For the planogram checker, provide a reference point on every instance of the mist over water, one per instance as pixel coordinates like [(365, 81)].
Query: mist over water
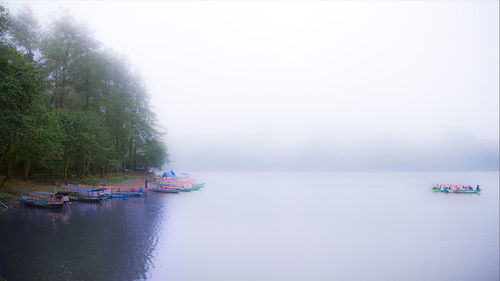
[(332, 226), (321, 128), (267, 226), (316, 86)]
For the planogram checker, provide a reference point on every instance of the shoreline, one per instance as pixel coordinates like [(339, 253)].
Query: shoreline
[(12, 190)]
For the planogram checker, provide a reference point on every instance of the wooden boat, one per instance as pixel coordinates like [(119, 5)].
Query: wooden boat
[(198, 186), (120, 192), (91, 199), (456, 191), (134, 194), (117, 195), (42, 199), (456, 188), (175, 181), (85, 193), (166, 190)]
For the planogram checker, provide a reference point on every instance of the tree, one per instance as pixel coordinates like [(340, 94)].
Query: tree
[(61, 47), (20, 90), (4, 21), (41, 139), (155, 154), (26, 32), (75, 101)]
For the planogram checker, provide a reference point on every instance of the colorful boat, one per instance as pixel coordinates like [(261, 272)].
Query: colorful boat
[(198, 186), (158, 188), (456, 188), (42, 199), (85, 193), (177, 179), (121, 192)]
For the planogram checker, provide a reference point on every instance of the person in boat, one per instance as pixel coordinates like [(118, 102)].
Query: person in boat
[(477, 188)]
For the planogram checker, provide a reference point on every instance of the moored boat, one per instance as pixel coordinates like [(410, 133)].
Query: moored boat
[(176, 179), (42, 199), (198, 186), (85, 193), (121, 192), (165, 189)]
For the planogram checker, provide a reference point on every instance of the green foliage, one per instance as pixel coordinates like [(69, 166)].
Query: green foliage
[(41, 138), (79, 104), (4, 21), (155, 153), (20, 88), (25, 32)]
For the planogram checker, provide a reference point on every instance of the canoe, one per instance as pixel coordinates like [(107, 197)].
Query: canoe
[(118, 195), (85, 193), (29, 201), (456, 191), (83, 198), (166, 190), (198, 186), (133, 194)]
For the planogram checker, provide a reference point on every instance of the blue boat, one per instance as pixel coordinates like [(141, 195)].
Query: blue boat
[(85, 193)]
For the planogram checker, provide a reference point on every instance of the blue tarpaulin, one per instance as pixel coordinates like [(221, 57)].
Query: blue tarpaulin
[(174, 173)]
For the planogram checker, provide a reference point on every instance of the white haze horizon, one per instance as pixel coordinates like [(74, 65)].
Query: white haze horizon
[(311, 86)]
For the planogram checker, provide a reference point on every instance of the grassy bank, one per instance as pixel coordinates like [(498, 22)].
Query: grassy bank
[(10, 192)]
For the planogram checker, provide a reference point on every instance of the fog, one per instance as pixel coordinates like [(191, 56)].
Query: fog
[(312, 85)]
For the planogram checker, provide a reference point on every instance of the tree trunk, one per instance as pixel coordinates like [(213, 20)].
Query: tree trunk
[(5, 153), (130, 155), (27, 166), (9, 168), (7, 164), (102, 172), (79, 169), (87, 94), (66, 166), (61, 92), (86, 171)]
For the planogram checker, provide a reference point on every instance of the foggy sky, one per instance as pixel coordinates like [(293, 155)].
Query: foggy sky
[(312, 86)]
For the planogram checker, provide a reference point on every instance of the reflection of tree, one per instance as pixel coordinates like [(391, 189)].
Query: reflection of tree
[(113, 240)]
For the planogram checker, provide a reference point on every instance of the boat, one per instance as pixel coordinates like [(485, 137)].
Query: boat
[(176, 179), (456, 188), (43, 199), (159, 188), (198, 186), (118, 195), (135, 194), (121, 192), (85, 193)]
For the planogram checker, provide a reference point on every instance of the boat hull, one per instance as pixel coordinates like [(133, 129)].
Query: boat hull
[(457, 191), (36, 203), (134, 194), (90, 199), (164, 190)]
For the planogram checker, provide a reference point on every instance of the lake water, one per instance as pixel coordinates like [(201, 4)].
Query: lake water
[(267, 226)]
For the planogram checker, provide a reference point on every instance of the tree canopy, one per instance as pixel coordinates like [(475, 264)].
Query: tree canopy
[(68, 104)]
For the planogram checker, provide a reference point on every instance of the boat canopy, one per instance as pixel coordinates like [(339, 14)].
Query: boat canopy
[(175, 173), (41, 193), (168, 174), (77, 188)]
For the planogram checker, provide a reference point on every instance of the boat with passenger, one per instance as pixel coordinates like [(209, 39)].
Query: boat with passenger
[(456, 188), (45, 200)]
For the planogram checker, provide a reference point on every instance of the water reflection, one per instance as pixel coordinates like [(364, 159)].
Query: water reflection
[(113, 240)]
